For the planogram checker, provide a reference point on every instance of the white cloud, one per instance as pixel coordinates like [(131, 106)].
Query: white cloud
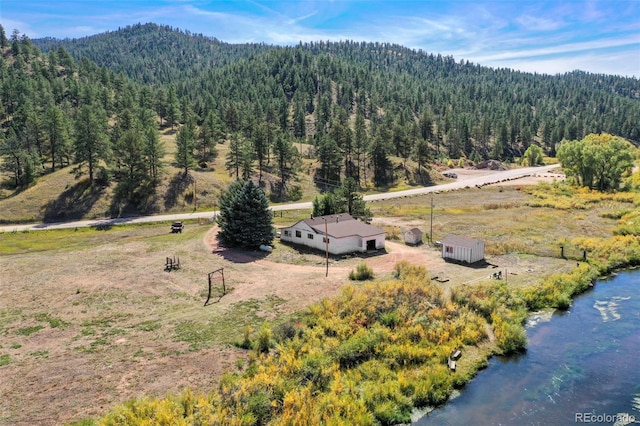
[(568, 48), (534, 23)]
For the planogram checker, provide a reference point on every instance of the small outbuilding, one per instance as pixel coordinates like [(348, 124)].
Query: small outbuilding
[(413, 237), (338, 234), (462, 249)]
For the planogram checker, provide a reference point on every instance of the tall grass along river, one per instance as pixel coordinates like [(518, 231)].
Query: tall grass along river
[(581, 366)]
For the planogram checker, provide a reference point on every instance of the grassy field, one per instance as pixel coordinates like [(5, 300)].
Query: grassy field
[(90, 318)]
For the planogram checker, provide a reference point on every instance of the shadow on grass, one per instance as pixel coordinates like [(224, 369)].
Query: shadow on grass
[(481, 264), (238, 255), (134, 198), (178, 185), (73, 203)]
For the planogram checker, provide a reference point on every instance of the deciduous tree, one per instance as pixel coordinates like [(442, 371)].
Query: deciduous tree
[(597, 161)]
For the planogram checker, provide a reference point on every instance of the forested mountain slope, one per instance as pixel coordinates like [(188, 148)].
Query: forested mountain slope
[(374, 112), (465, 106), (153, 54)]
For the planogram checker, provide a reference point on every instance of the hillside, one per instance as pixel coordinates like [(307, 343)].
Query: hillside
[(139, 114), (153, 54)]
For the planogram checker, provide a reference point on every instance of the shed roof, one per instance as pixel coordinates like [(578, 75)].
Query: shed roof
[(342, 225), (415, 231), (458, 241)]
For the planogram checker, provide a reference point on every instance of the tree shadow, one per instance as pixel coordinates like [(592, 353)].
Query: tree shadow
[(420, 177), (134, 199), (177, 186), (239, 255), (74, 203)]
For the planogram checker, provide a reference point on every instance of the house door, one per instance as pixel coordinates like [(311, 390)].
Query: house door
[(371, 245)]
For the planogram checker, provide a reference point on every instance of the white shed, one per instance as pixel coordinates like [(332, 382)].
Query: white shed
[(345, 234), (462, 249), (413, 236)]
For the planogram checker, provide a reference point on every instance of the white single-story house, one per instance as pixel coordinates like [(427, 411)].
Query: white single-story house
[(346, 234), (462, 249), (413, 236)]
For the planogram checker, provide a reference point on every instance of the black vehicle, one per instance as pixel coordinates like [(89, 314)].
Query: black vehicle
[(177, 227)]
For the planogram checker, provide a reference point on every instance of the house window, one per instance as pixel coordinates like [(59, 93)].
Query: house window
[(287, 233), (310, 236), (325, 240), (448, 249), (298, 234)]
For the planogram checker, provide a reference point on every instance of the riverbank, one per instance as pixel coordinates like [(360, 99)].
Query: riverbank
[(577, 366)]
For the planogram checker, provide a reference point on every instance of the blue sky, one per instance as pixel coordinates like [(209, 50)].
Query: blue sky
[(600, 36)]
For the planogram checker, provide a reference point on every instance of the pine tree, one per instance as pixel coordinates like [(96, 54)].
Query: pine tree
[(185, 144), (91, 142), (153, 152), (245, 218), (57, 136)]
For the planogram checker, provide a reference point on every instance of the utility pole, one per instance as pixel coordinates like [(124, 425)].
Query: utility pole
[(431, 230), (326, 246)]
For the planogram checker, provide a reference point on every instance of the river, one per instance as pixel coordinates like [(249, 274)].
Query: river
[(581, 366)]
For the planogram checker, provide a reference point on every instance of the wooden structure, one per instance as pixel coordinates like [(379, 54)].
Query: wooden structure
[(224, 288), (462, 249), (172, 263)]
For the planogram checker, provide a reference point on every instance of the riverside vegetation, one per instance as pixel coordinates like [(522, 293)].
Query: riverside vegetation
[(377, 352)]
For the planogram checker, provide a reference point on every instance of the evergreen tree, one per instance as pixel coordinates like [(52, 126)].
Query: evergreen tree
[(91, 142), (288, 160), (360, 146), (57, 136), (153, 153), (172, 108), (380, 161), (245, 218), (4, 42), (185, 144), (421, 155), (344, 199), (130, 157), (238, 156), (328, 154), (209, 136)]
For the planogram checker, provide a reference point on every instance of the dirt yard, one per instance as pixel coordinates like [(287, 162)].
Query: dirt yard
[(86, 328)]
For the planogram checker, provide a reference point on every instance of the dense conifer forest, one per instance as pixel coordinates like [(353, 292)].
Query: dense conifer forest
[(364, 109)]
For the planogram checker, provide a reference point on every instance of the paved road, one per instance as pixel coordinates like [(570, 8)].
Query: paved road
[(459, 184)]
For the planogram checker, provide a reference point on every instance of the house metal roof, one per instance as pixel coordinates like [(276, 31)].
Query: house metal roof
[(342, 225), (458, 241)]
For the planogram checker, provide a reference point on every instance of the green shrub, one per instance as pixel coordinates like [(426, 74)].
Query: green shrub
[(4, 359), (404, 270), (510, 335), (363, 272), (264, 340), (359, 347)]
